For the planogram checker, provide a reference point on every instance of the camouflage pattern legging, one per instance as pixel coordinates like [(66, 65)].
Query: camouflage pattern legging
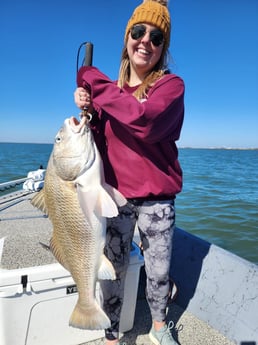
[(156, 223)]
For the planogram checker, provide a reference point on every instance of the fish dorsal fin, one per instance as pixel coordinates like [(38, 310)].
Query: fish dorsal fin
[(38, 201)]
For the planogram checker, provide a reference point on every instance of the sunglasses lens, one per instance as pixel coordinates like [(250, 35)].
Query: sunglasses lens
[(138, 31), (156, 37)]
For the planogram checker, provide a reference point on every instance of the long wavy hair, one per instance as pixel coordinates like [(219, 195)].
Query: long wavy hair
[(156, 73)]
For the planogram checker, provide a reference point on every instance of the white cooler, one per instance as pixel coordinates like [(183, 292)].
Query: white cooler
[(36, 304)]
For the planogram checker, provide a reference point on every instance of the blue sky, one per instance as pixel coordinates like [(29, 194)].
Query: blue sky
[(214, 46)]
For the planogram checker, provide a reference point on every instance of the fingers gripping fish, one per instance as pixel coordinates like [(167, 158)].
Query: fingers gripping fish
[(77, 201)]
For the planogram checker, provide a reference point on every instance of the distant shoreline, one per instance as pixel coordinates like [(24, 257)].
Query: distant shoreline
[(219, 148), (24, 143), (179, 147)]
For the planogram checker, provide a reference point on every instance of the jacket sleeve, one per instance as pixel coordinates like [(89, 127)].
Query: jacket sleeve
[(157, 118)]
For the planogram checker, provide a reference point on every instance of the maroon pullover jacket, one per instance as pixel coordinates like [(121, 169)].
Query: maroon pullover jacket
[(136, 139)]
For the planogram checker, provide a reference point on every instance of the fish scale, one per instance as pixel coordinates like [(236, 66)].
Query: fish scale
[(77, 201)]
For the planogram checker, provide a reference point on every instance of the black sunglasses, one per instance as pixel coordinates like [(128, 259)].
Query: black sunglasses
[(156, 36)]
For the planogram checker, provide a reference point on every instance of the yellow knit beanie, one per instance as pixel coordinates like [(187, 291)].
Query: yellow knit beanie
[(153, 12)]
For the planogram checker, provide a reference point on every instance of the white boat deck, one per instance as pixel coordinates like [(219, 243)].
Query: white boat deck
[(188, 329), (23, 227)]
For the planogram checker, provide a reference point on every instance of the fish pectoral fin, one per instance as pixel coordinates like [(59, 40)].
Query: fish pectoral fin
[(38, 201), (96, 200), (87, 200), (106, 269), (118, 197), (106, 206)]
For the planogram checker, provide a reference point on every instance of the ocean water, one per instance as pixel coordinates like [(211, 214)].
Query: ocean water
[(219, 198), (16, 160), (219, 201)]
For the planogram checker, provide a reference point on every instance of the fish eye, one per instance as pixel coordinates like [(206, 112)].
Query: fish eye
[(57, 139)]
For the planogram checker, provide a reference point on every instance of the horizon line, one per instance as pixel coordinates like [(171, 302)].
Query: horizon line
[(179, 147)]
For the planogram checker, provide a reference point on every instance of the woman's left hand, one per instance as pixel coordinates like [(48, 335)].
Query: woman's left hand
[(82, 98)]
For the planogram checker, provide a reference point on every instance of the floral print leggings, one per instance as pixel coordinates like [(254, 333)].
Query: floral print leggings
[(156, 223)]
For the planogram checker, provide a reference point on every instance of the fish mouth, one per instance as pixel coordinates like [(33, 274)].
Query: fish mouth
[(76, 125)]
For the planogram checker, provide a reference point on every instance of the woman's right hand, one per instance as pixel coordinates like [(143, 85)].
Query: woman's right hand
[(82, 98)]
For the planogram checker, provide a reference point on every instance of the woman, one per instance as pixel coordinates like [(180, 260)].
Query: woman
[(136, 123)]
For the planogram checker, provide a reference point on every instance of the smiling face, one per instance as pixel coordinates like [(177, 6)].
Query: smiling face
[(143, 54)]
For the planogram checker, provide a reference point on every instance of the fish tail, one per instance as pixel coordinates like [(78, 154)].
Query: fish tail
[(91, 318)]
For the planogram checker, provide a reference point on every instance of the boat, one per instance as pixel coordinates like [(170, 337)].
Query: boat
[(215, 292)]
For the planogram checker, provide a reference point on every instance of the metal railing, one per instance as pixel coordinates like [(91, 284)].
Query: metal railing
[(11, 184)]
